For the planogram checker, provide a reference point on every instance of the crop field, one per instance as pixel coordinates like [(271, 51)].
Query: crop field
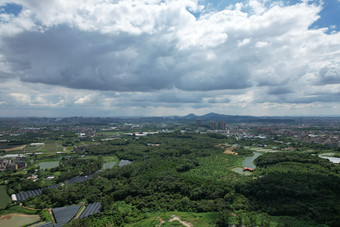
[(17, 220), (53, 147), (48, 165), (4, 198), (263, 150)]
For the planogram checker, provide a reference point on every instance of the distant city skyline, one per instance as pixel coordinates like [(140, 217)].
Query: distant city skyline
[(164, 58)]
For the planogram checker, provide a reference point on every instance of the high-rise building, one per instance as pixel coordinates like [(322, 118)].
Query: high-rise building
[(221, 125), (198, 122), (212, 125)]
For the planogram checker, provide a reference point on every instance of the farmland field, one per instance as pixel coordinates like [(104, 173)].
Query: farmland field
[(17, 220), (15, 148), (263, 150), (48, 165), (4, 198)]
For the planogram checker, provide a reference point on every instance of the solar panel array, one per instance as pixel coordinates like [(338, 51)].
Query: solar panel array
[(124, 162), (25, 195), (62, 215), (93, 208)]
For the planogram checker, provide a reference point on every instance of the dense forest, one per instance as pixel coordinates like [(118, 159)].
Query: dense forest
[(190, 173)]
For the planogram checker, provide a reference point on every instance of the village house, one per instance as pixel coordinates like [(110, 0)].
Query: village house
[(13, 162)]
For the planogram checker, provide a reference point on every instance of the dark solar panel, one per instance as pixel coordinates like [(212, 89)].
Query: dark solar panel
[(25, 195), (35, 192), (28, 194), (90, 209), (63, 215), (18, 196)]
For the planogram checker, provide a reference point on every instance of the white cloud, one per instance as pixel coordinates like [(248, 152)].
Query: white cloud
[(150, 53)]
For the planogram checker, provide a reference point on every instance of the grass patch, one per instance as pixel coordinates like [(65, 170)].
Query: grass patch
[(197, 219), (48, 165), (18, 209), (4, 198), (217, 166)]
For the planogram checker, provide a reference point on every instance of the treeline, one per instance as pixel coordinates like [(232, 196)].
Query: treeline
[(284, 184), (68, 168), (295, 184), (155, 181)]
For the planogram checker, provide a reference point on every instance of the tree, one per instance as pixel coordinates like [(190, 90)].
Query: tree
[(223, 219)]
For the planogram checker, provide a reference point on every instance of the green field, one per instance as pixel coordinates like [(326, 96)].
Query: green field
[(109, 165), (217, 166), (17, 220), (196, 219), (210, 219), (4, 198), (48, 165)]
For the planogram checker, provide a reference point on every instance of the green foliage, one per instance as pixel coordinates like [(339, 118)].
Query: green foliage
[(5, 200), (189, 176), (242, 151), (117, 214), (223, 219), (45, 216), (18, 209), (298, 185)]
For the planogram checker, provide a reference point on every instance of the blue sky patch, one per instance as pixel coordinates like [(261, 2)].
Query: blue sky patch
[(329, 15), (11, 9)]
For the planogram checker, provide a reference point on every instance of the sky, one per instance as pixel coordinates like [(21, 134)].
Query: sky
[(107, 58)]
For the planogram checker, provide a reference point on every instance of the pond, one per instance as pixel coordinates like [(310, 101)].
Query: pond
[(48, 165), (247, 162), (109, 165), (330, 158), (17, 220)]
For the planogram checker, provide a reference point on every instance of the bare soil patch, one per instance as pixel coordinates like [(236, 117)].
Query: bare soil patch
[(15, 148), (185, 223), (228, 149), (7, 216)]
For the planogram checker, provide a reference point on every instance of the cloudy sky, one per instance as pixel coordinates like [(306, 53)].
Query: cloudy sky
[(169, 57)]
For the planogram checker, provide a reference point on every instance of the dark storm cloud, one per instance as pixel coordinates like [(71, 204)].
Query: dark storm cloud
[(279, 90), (68, 57)]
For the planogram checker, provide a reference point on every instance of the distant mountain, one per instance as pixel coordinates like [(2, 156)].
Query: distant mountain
[(236, 118), (189, 117)]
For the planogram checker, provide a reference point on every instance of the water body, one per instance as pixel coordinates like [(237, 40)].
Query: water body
[(331, 159), (48, 165), (247, 162)]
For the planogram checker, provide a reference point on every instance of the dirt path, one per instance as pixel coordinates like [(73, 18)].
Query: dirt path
[(185, 223), (161, 221)]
